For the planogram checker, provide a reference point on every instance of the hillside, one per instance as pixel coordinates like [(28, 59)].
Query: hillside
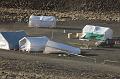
[(85, 5), (63, 10)]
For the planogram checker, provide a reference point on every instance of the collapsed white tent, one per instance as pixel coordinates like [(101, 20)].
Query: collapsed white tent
[(98, 30), (42, 21), (33, 43), (54, 47)]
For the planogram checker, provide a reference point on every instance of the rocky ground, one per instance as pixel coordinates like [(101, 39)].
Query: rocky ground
[(98, 63), (13, 15), (20, 10), (37, 67)]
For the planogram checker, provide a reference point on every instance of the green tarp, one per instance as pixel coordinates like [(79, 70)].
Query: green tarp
[(92, 36)]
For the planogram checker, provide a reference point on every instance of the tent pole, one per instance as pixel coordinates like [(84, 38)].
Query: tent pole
[(52, 34)]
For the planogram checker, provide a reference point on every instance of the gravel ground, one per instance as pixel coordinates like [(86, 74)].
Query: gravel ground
[(98, 63), (21, 66)]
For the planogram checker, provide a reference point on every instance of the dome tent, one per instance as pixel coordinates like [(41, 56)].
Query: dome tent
[(42, 21), (96, 32), (33, 43)]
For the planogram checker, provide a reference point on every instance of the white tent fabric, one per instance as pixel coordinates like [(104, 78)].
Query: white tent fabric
[(33, 43), (42, 21), (54, 47), (107, 32)]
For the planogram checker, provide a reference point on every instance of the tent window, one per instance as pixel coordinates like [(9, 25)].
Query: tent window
[(23, 42), (96, 28)]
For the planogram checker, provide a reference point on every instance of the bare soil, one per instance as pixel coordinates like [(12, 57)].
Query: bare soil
[(98, 63)]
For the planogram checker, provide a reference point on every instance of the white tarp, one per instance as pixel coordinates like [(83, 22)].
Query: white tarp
[(107, 32), (42, 21), (54, 47), (33, 43)]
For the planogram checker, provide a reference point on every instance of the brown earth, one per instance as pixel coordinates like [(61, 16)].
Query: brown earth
[(13, 15), (64, 10), (63, 5), (14, 65), (98, 63)]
